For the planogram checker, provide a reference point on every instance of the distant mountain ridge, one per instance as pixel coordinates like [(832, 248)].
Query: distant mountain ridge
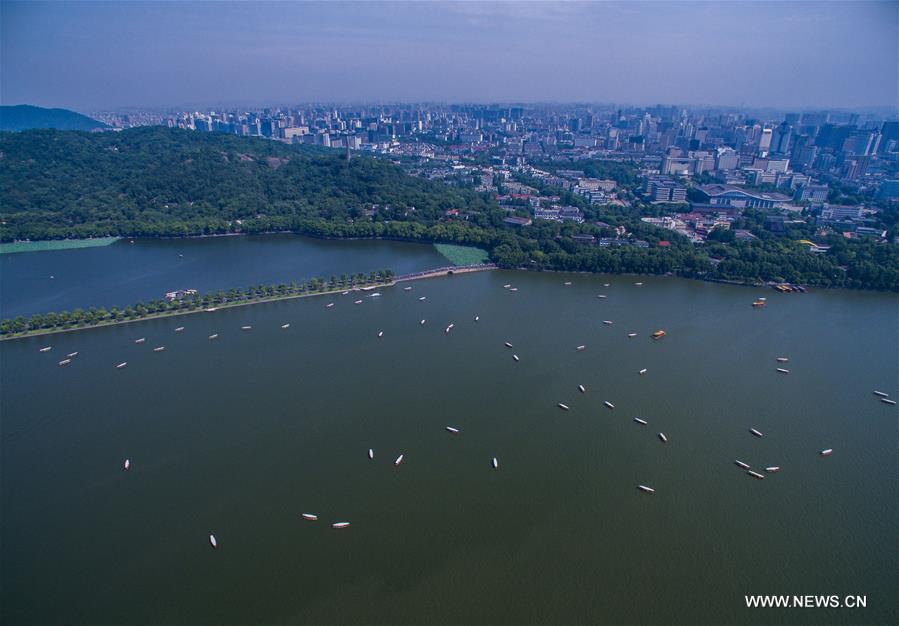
[(25, 117)]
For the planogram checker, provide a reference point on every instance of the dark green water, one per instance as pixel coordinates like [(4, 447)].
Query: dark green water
[(123, 273), (239, 436)]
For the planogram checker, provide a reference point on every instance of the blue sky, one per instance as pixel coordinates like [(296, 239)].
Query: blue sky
[(93, 56)]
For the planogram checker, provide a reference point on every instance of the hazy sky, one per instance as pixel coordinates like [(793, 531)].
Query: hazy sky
[(92, 56)]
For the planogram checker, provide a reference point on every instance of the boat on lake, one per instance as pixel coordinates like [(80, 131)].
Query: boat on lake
[(141, 340), (452, 430), (887, 401), (876, 393), (127, 464), (495, 463), (310, 516), (567, 284), (756, 475), (214, 336), (757, 304), (742, 464), (608, 322), (639, 421), (179, 329), (399, 459), (782, 359), (582, 389), (772, 469), (381, 334), (65, 361), (477, 318), (72, 355), (449, 328), (827, 452), (407, 288), (508, 345), (422, 299), (564, 407), (755, 432), (643, 371), (608, 404), (285, 326), (339, 525), (371, 454), (506, 286), (422, 322), (213, 541), (121, 365), (329, 305), (602, 296), (783, 371), (639, 284), (663, 437), (658, 334), (646, 489), (159, 349), (358, 302), (515, 356), (246, 328), (579, 348), (374, 295), (632, 334)]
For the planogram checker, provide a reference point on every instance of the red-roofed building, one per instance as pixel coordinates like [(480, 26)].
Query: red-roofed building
[(664, 244)]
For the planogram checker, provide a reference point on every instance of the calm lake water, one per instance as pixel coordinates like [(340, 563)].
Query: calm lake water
[(241, 435), (123, 273)]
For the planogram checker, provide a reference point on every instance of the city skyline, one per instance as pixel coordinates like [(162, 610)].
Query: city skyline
[(804, 55)]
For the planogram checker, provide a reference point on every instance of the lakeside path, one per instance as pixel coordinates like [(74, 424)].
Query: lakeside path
[(433, 273)]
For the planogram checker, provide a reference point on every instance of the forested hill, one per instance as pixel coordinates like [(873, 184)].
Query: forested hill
[(25, 117), (155, 181)]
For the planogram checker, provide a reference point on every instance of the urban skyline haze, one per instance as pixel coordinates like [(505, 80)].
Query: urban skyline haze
[(103, 56)]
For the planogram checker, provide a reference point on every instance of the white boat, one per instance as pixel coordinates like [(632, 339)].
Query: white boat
[(422, 299), (876, 393), (343, 293), (639, 421), (568, 284), (646, 489), (508, 345), (782, 359), (215, 336), (285, 326), (495, 463), (371, 454), (579, 348), (639, 284), (564, 407), (827, 452), (159, 349), (608, 322), (246, 328), (608, 404), (506, 286), (606, 284), (755, 432), (211, 309), (213, 542), (515, 356), (632, 334), (381, 334), (602, 296), (514, 289), (407, 288), (310, 516), (663, 437), (141, 340), (179, 329), (742, 464), (65, 361), (122, 364), (643, 371), (47, 349), (399, 459), (782, 370), (477, 318), (450, 429), (422, 322), (374, 295), (582, 389), (127, 464), (358, 302), (887, 401), (449, 328), (772, 469), (72, 355), (756, 475), (340, 524), (329, 305)]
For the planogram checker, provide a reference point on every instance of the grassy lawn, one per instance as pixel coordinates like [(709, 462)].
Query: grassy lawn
[(462, 255), (59, 244)]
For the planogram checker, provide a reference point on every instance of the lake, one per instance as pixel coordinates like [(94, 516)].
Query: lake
[(123, 273), (239, 436)]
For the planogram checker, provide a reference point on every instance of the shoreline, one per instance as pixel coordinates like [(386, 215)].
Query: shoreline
[(424, 275)]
